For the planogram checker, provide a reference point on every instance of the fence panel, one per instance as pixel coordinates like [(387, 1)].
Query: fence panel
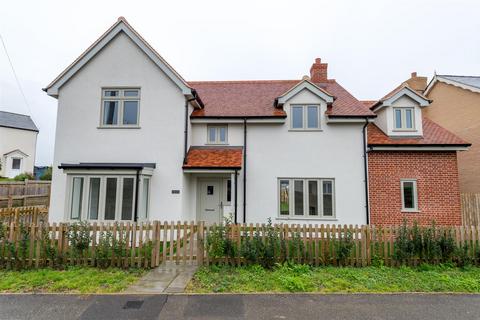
[(470, 204), (24, 193)]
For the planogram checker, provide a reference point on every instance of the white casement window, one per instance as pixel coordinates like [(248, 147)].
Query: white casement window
[(305, 117), (217, 134), (306, 198), (107, 197), (409, 195), (120, 107), (404, 118)]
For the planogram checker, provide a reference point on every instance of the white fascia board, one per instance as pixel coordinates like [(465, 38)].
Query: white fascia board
[(16, 151), (120, 26), (230, 120), (419, 148), (305, 84), (348, 120), (450, 82), (405, 92), (102, 172), (207, 171)]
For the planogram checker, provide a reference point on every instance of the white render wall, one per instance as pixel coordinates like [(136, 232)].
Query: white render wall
[(12, 139), (159, 140)]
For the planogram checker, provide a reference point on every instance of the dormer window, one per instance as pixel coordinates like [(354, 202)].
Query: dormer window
[(404, 119), (305, 117)]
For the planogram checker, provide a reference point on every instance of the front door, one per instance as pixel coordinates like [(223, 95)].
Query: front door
[(210, 201)]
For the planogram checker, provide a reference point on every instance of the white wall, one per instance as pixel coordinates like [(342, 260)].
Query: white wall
[(159, 140), (335, 152), (25, 141), (385, 118)]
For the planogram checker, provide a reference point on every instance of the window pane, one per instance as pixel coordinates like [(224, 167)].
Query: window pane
[(223, 134), (408, 195), (297, 117), (312, 118), (313, 198), (327, 198), (130, 93), (398, 118), (16, 163), (211, 134), (111, 93), (284, 197), (229, 190), (110, 198), (298, 197), (127, 198), (145, 197), (409, 118), (110, 112), (93, 198), (210, 190), (130, 112), (77, 193)]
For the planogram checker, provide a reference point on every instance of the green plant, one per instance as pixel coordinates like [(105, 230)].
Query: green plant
[(79, 237), (103, 251), (344, 247), (24, 176), (47, 175)]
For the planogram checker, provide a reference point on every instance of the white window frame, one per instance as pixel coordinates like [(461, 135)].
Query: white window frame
[(120, 99), (403, 115), (217, 134), (306, 204), (305, 117), (415, 195), (85, 214)]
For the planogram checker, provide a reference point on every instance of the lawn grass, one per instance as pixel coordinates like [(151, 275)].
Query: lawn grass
[(71, 280), (299, 278)]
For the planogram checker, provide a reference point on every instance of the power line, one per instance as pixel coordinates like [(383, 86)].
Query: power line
[(15, 75)]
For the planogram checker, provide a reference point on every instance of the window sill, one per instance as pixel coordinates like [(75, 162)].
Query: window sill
[(411, 211), (404, 130), (307, 218), (216, 144), (119, 127), (305, 130)]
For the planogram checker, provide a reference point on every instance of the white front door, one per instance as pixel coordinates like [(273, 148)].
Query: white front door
[(210, 201)]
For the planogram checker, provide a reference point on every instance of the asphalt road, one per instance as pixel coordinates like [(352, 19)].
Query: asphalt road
[(268, 306)]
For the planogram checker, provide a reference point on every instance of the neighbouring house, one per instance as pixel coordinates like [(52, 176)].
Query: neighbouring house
[(135, 141), (456, 106), (18, 141)]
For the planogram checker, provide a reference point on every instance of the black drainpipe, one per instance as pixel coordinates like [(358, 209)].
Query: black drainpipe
[(244, 170), (365, 168), (185, 146), (136, 196), (236, 197)]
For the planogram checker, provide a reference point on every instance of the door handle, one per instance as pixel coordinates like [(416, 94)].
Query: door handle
[(209, 209)]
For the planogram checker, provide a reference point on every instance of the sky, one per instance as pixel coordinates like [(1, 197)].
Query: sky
[(370, 46)]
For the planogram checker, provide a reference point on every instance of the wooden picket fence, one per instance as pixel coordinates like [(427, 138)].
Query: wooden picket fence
[(470, 203), (25, 215), (24, 193), (148, 244)]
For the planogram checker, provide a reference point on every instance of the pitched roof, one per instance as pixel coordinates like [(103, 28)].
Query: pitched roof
[(214, 158), (254, 98), (399, 88), (17, 121), (473, 81), (433, 135)]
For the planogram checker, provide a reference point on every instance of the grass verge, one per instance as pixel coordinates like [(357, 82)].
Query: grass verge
[(71, 280), (300, 278)]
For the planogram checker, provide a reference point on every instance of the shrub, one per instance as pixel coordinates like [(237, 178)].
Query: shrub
[(79, 237), (24, 176)]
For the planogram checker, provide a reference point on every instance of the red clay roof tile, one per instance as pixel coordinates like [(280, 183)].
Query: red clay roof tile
[(214, 157), (433, 134)]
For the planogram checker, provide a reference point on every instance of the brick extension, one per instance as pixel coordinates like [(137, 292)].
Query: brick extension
[(437, 187)]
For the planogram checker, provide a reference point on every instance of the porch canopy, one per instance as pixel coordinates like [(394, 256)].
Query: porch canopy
[(213, 158)]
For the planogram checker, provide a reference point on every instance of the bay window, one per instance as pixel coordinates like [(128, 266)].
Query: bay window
[(107, 197), (311, 198)]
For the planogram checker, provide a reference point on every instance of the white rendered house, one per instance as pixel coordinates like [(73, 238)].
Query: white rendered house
[(135, 141), (18, 141)]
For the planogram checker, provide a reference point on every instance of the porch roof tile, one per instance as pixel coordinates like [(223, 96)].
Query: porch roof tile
[(214, 157)]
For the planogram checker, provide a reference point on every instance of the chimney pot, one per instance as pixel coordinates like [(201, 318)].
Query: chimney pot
[(414, 74), (318, 60)]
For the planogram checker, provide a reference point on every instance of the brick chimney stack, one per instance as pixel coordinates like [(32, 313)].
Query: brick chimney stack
[(318, 71), (417, 83)]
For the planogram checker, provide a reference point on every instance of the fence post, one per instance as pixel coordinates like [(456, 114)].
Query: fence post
[(200, 244), (25, 191)]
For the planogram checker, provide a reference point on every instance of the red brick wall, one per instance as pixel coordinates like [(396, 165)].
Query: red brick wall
[(437, 187)]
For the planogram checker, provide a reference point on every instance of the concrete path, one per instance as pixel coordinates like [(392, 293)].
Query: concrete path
[(255, 306), (167, 278)]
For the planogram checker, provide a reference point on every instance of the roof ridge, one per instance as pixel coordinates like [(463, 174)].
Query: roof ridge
[(453, 75), (242, 81)]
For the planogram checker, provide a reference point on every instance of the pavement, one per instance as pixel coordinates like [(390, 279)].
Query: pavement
[(169, 277), (233, 306)]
